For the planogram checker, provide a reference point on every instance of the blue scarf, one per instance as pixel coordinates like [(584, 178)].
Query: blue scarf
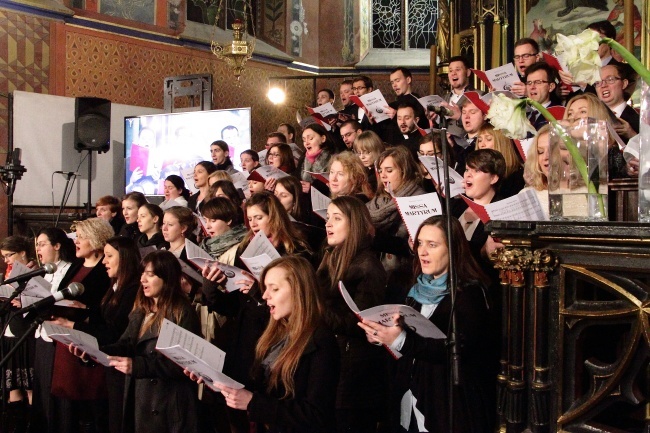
[(429, 290)]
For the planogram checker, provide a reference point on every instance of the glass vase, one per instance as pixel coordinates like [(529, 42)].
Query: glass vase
[(644, 154), (577, 178)]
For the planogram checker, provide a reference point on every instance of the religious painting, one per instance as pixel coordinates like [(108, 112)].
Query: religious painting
[(546, 18), (274, 19)]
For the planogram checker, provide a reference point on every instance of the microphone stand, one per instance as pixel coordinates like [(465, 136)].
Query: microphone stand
[(66, 195), (452, 343)]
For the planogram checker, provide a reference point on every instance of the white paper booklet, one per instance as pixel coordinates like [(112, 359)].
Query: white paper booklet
[(323, 113), (435, 167), (259, 253), (323, 177), (197, 255), (374, 102), (240, 180), (187, 174), (36, 289), (194, 353), (524, 206), (6, 290), (264, 172), (415, 209), (85, 342), (319, 203), (384, 314), (501, 78), (434, 100)]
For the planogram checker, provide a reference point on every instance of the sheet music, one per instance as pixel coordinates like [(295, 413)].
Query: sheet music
[(415, 209), (197, 255), (240, 180), (35, 290), (187, 174), (191, 351), (259, 253), (323, 177), (319, 203), (322, 113), (260, 174), (6, 290), (85, 342), (233, 274), (190, 271), (435, 167), (524, 206), (434, 100), (502, 77), (374, 102), (385, 314)]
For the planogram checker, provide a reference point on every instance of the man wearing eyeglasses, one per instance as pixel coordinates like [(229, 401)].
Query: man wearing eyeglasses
[(526, 54), (611, 90), (361, 86), (540, 87), (349, 131)]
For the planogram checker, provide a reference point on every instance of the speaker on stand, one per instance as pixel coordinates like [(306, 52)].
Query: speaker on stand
[(92, 131)]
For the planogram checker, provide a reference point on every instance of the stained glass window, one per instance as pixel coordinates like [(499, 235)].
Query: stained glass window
[(404, 23)]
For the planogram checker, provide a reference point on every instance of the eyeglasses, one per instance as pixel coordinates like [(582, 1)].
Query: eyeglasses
[(354, 89), (523, 56), (273, 155), (608, 80), (42, 244), (8, 256), (429, 153), (536, 82)]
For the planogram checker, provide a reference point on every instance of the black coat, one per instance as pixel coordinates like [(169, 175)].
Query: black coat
[(424, 367), (157, 241), (158, 397), (311, 410), (363, 382)]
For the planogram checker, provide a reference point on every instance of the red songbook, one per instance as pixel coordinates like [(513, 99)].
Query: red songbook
[(139, 158), (481, 76), (555, 64), (478, 209)]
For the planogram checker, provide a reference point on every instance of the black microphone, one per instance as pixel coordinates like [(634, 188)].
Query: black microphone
[(72, 291), (440, 110), (47, 268), (67, 173)]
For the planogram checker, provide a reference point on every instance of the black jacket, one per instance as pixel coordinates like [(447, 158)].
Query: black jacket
[(311, 410), (424, 366), (363, 382), (158, 397)]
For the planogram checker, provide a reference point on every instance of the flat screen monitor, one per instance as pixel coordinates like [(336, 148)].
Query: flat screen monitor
[(162, 144)]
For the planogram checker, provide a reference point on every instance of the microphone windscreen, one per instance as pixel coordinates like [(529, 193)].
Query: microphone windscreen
[(49, 268), (75, 289)]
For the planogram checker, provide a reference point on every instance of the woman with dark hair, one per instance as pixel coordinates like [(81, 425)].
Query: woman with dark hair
[(288, 190), (122, 261), (250, 160), (245, 306), (221, 156), (296, 359), (52, 246), (281, 156), (318, 151), (202, 171), (176, 194), (130, 205), (420, 391), (348, 257), (484, 173), (150, 220), (159, 398), (225, 229), (225, 188), (18, 374)]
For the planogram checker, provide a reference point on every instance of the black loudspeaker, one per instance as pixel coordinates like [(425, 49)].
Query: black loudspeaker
[(92, 124)]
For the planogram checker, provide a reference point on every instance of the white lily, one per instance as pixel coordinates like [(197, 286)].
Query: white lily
[(580, 53), (509, 116)]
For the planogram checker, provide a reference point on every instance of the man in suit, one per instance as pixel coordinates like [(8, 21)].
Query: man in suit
[(614, 79), (540, 81)]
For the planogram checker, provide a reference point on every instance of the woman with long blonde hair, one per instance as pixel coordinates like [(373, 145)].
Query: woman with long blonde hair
[(490, 138)]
